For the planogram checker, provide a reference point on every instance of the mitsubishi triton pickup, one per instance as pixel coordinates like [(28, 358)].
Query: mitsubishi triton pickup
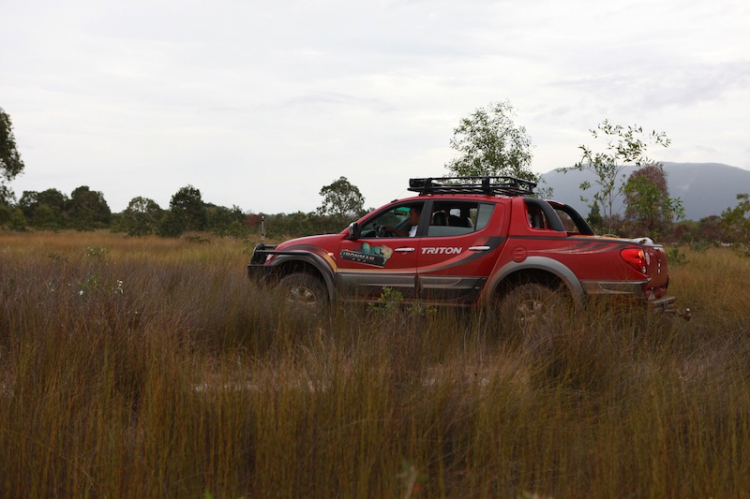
[(470, 242)]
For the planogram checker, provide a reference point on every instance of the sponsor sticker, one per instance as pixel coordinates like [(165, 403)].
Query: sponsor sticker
[(369, 255)]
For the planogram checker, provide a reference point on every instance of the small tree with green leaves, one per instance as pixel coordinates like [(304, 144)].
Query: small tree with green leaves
[(649, 207), (490, 143), (87, 209), (187, 212), (623, 147), (736, 223), (141, 217), (594, 218), (10, 159), (7, 196), (46, 209), (341, 199), (225, 221), (6, 213)]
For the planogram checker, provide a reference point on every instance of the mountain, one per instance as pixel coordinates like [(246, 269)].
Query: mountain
[(704, 188)]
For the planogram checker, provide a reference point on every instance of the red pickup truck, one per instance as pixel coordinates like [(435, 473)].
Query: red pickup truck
[(467, 241)]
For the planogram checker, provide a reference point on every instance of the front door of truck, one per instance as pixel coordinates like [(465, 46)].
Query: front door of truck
[(383, 256)]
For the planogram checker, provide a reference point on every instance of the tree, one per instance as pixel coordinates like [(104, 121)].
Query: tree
[(6, 213), (623, 147), (28, 203), (87, 209), (12, 218), (186, 212), (491, 144), (7, 196), (736, 223), (225, 221), (594, 218), (10, 159), (341, 199), (649, 206), (46, 218), (701, 234), (141, 217), (53, 198), (44, 209)]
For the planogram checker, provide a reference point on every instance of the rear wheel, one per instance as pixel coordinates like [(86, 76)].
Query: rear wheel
[(304, 291), (529, 306)]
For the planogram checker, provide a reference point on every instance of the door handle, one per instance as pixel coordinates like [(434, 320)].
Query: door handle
[(479, 248), (404, 250)]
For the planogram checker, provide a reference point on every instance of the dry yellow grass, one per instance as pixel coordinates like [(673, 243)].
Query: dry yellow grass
[(152, 367)]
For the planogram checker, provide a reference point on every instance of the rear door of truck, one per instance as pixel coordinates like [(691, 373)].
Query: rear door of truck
[(459, 249)]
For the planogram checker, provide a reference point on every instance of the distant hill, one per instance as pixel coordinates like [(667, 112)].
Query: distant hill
[(705, 188)]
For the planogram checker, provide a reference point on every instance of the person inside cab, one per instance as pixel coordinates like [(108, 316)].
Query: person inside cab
[(414, 213)]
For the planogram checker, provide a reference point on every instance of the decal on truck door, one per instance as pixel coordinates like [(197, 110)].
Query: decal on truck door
[(369, 255)]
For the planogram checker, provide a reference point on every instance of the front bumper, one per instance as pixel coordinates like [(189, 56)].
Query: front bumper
[(259, 272)]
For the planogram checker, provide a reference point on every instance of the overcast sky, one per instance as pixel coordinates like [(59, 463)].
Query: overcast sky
[(260, 103)]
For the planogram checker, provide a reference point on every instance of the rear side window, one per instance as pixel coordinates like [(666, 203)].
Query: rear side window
[(456, 218), (567, 222), (573, 222), (541, 216), (536, 217)]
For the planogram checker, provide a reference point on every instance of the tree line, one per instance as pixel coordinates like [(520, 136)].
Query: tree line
[(86, 210), (488, 142)]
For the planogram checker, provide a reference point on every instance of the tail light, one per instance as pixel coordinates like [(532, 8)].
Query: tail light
[(635, 258)]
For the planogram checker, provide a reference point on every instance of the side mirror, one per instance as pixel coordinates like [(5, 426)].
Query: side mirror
[(354, 231)]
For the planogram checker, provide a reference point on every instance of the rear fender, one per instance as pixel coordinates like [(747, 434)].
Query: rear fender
[(531, 265)]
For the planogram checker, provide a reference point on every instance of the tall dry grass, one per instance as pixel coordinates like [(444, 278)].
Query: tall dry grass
[(150, 367)]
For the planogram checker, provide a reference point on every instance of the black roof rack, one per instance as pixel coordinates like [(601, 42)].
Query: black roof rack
[(509, 186)]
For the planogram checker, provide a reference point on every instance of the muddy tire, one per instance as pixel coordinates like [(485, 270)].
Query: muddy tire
[(304, 292), (530, 306)]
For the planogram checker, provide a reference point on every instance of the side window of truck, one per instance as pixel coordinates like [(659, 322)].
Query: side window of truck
[(536, 217), (541, 216), (456, 218), (568, 223)]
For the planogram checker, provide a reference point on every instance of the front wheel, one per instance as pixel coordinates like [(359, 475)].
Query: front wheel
[(304, 291)]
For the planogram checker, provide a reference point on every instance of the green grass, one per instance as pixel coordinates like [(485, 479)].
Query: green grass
[(150, 367)]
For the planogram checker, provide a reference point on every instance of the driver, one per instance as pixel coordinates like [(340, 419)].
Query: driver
[(414, 213)]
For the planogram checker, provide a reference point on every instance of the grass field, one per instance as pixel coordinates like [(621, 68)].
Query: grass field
[(148, 367)]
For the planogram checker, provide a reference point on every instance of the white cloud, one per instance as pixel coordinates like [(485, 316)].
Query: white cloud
[(142, 98)]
